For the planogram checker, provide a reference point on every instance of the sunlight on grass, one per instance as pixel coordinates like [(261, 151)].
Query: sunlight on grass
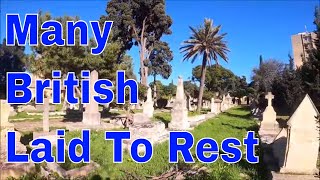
[(234, 123)]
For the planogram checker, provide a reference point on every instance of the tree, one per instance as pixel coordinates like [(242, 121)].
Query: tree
[(141, 23), (260, 60), (160, 58), (169, 90), (205, 41), (264, 75), (218, 78), (291, 63), (12, 59), (45, 59), (241, 88), (288, 90), (190, 88), (310, 70), (76, 58)]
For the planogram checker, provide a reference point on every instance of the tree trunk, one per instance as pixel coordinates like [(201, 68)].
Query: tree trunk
[(203, 77), (142, 70), (154, 88), (154, 91)]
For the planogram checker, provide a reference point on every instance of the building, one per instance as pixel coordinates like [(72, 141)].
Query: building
[(301, 43)]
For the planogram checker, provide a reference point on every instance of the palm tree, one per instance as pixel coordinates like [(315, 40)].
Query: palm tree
[(205, 41)]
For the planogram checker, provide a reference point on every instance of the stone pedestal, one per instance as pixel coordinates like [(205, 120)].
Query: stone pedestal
[(155, 132), (179, 112), (91, 119), (10, 169), (179, 119), (5, 126), (269, 117)]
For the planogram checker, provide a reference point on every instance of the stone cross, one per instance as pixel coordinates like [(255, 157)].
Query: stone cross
[(92, 116), (270, 97), (46, 108)]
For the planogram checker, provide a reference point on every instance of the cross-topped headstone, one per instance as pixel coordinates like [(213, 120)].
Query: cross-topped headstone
[(269, 124), (270, 97)]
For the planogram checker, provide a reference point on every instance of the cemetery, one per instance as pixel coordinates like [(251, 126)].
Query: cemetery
[(142, 96)]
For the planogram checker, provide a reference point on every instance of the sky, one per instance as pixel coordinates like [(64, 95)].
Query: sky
[(253, 28)]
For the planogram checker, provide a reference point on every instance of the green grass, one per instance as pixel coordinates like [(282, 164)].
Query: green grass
[(234, 123), (166, 116), (24, 115)]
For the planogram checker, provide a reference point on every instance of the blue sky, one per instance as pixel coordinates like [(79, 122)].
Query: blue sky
[(254, 27)]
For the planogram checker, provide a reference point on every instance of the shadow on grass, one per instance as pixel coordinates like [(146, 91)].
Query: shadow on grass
[(162, 119), (247, 116), (26, 138), (254, 127), (72, 116)]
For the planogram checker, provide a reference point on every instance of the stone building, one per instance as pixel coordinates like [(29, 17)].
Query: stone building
[(301, 43)]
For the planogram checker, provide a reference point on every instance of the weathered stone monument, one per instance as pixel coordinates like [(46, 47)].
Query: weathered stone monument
[(179, 112), (224, 104), (269, 126), (142, 126), (10, 169), (46, 107), (148, 105), (302, 140), (269, 116), (6, 126), (229, 100), (213, 107), (92, 116)]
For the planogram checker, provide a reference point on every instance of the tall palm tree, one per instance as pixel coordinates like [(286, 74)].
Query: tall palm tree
[(205, 41)]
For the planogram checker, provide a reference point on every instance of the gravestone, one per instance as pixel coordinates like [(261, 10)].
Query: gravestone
[(302, 140), (143, 126), (46, 134), (6, 126), (229, 100), (92, 116), (155, 132), (269, 116), (179, 112), (224, 105), (148, 105), (213, 107), (269, 126), (46, 115)]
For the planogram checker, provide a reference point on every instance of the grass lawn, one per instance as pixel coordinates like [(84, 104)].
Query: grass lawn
[(234, 123)]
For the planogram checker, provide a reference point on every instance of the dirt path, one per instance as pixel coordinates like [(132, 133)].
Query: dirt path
[(27, 126), (278, 176)]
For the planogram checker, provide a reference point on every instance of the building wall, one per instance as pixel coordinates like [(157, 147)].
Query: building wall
[(300, 44)]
